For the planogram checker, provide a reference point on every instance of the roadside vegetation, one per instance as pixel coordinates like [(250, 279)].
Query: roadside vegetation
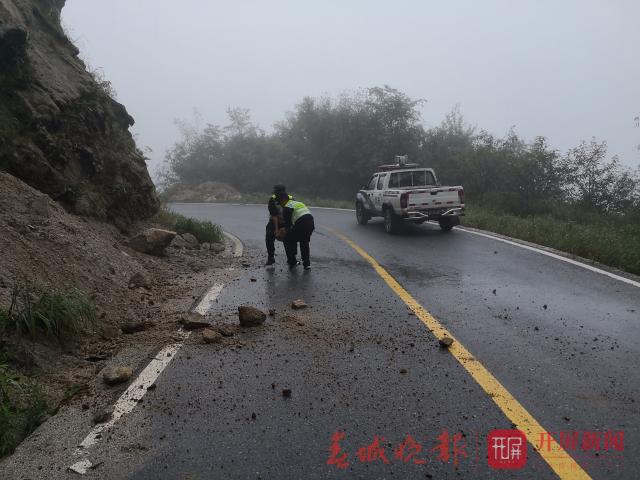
[(582, 201), (23, 406), (203, 230), (59, 314), (604, 239), (52, 314)]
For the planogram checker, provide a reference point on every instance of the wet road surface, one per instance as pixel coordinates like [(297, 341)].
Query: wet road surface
[(363, 369)]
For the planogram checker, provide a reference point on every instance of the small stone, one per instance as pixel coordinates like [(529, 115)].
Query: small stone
[(272, 312), (109, 332), (153, 386), (544, 306), (403, 370), (192, 241), (140, 279), (445, 342), (536, 328), (227, 330), (494, 291), (211, 336), (193, 321), (246, 265), (217, 247), (250, 316), (286, 393), (253, 416), (116, 375), (253, 280), (205, 246), (102, 415), (298, 304), (133, 327)]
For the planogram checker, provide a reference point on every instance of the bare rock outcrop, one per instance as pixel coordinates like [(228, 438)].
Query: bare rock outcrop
[(61, 131)]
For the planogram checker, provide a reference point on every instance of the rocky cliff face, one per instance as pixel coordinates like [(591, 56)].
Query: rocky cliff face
[(60, 131)]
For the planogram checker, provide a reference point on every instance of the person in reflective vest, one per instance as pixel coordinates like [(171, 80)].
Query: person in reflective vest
[(298, 227), (275, 222)]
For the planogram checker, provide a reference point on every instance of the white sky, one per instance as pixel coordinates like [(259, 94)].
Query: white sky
[(565, 69)]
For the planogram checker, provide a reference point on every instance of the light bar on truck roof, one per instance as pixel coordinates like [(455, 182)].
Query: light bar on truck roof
[(387, 168)]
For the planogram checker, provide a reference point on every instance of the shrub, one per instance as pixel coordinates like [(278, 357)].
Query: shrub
[(203, 230), (53, 313)]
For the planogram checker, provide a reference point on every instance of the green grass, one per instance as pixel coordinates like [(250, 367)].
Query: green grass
[(52, 313), (22, 406), (610, 240), (203, 230)]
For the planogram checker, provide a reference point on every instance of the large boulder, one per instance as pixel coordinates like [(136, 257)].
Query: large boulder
[(251, 316), (152, 241)]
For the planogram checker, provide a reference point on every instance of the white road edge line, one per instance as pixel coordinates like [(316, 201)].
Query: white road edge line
[(554, 255), (138, 388), (208, 299), (238, 248)]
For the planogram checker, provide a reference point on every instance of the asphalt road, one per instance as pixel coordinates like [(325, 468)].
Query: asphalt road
[(562, 340)]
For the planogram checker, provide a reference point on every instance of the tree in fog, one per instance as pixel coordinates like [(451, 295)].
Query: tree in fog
[(598, 183)]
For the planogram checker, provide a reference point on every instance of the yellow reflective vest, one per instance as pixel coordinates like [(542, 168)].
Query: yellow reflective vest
[(299, 209)]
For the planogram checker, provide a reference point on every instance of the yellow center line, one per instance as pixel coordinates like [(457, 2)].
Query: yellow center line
[(558, 459)]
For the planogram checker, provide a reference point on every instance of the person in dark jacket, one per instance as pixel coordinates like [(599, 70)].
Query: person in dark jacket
[(298, 227), (275, 222)]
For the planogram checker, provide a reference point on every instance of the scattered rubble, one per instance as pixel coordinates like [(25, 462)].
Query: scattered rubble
[(211, 336), (251, 316), (152, 241), (217, 247), (116, 375)]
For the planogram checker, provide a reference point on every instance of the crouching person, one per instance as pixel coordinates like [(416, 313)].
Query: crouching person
[(298, 227)]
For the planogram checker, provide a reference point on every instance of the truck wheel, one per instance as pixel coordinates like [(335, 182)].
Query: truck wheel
[(447, 223), (361, 214), (390, 221)]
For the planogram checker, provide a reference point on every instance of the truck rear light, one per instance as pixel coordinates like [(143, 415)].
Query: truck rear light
[(461, 195), (404, 198)]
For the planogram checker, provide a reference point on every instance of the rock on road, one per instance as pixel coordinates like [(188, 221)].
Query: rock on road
[(562, 340)]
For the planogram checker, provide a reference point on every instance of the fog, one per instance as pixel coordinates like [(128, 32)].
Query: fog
[(565, 70)]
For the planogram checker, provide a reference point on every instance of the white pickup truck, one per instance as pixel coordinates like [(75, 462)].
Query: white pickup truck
[(406, 192)]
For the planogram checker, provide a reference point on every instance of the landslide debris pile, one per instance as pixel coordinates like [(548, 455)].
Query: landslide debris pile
[(60, 130)]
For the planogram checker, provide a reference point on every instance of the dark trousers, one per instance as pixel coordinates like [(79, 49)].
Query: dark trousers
[(270, 239), (300, 233)]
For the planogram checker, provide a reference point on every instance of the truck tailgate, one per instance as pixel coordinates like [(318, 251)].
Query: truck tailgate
[(438, 197)]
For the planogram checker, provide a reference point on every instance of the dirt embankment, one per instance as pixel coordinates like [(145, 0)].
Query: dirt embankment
[(44, 245)]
